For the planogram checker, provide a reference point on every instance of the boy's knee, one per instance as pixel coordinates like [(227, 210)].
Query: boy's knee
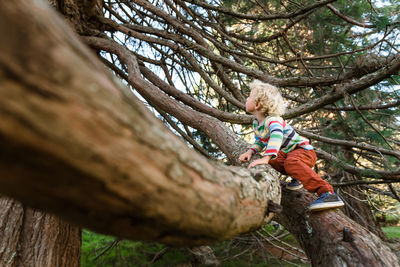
[(292, 164), (292, 161)]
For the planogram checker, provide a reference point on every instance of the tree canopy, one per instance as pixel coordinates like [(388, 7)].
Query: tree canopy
[(336, 64)]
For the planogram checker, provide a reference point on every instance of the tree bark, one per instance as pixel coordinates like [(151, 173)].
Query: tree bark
[(330, 238), (90, 152), (29, 237), (82, 15), (357, 207)]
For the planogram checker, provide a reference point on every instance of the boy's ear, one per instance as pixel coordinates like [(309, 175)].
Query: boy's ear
[(258, 106)]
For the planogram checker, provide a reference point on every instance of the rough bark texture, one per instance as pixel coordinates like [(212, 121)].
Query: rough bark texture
[(81, 14), (95, 155), (29, 237), (357, 207), (330, 238)]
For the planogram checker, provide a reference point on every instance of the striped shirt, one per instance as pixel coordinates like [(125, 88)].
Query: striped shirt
[(275, 134)]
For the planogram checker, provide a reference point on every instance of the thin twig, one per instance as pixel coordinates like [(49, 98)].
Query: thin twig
[(368, 122)]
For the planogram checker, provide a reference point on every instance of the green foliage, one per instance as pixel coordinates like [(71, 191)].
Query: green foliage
[(97, 251), (329, 35), (100, 250), (381, 22), (207, 144), (392, 232)]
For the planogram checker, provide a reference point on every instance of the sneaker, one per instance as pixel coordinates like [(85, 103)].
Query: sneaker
[(327, 200), (294, 185)]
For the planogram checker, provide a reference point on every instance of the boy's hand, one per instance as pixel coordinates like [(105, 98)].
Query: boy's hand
[(263, 160), (246, 156)]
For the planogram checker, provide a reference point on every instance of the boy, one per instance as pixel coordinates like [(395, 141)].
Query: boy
[(286, 151)]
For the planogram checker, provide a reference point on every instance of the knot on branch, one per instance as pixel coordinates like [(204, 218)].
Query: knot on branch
[(259, 172), (347, 235), (258, 176), (273, 207)]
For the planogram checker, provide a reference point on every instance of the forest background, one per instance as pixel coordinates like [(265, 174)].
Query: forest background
[(336, 64)]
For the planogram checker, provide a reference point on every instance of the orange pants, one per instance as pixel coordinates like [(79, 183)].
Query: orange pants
[(298, 163)]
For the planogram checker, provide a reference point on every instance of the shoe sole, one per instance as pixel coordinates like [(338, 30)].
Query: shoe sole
[(293, 188), (326, 206)]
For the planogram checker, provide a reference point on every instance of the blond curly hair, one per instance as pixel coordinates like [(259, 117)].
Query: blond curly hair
[(269, 97)]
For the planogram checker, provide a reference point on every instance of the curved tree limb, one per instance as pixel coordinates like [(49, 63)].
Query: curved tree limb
[(229, 11), (364, 82), (348, 143), (206, 52), (217, 131), (74, 143), (370, 173), (366, 107)]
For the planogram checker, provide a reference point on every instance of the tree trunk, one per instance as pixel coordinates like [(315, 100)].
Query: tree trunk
[(90, 152), (29, 237), (357, 206), (82, 15), (330, 238)]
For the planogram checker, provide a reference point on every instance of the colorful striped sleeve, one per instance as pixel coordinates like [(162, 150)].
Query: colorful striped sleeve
[(257, 146), (275, 132)]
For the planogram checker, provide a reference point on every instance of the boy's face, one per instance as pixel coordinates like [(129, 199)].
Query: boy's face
[(251, 105)]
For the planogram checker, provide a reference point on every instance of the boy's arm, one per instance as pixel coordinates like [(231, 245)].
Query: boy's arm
[(271, 138), (257, 146), (275, 132), (263, 161)]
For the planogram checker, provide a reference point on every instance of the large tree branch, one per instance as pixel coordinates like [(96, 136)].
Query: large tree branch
[(364, 82), (227, 141), (349, 143), (74, 143), (188, 100), (370, 173), (336, 239), (204, 50), (365, 107), (232, 13)]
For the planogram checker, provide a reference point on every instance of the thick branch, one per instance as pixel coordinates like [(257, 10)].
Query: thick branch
[(336, 239), (188, 100), (232, 13), (349, 143), (228, 142), (73, 143), (366, 81), (370, 173)]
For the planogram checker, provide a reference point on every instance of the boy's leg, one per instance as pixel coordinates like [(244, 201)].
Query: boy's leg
[(277, 163), (299, 163)]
